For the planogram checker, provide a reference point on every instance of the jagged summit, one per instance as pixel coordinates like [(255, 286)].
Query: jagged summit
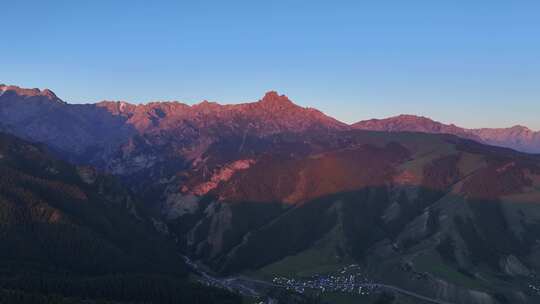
[(206, 103), (410, 116), (270, 99), (273, 98), (521, 128), (24, 92)]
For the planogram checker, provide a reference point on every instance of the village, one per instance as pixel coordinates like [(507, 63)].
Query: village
[(348, 279)]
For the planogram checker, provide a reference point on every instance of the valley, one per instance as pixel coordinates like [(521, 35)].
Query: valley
[(346, 281), (264, 201)]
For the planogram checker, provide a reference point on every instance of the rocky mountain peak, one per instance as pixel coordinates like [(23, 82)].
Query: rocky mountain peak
[(207, 105), (520, 128), (272, 98), (49, 93), (411, 117), (23, 92)]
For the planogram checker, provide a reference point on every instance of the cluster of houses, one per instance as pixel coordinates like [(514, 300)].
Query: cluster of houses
[(535, 289), (534, 283), (349, 279)]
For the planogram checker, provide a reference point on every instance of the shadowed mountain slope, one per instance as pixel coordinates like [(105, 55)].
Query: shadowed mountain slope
[(76, 234), (444, 215)]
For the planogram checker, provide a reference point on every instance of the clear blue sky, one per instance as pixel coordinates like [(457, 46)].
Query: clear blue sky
[(474, 63)]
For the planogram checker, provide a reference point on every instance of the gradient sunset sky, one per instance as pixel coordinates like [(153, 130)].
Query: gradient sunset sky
[(472, 63)]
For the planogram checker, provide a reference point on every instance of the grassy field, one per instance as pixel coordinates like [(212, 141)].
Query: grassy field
[(304, 264), (322, 258)]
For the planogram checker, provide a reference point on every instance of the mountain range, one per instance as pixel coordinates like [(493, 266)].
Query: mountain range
[(270, 189), (107, 122)]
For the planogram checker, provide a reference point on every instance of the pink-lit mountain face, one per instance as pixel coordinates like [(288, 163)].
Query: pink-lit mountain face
[(124, 137), (29, 93), (272, 114), (518, 137), (83, 129)]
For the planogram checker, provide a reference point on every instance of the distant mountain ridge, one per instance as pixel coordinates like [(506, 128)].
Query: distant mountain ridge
[(517, 137), (45, 117)]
